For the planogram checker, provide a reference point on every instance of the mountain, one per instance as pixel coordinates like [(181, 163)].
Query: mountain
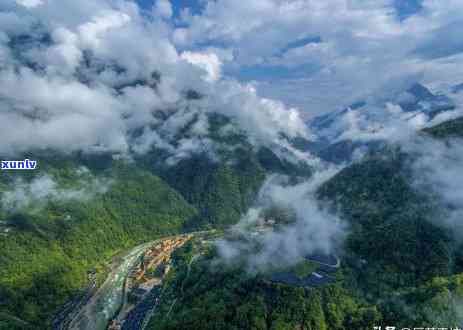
[(223, 178), (399, 250), (202, 294), (415, 101), (399, 265), (49, 245), (341, 132), (172, 192), (447, 129), (394, 255), (78, 211)]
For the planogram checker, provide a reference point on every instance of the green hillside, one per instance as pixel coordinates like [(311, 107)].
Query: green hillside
[(390, 223), (221, 186), (205, 294), (222, 192), (47, 252), (398, 267), (397, 257), (450, 128), (51, 243)]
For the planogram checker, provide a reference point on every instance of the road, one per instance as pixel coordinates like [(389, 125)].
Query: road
[(70, 310), (105, 303)]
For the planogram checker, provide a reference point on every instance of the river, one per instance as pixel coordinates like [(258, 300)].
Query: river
[(103, 306)]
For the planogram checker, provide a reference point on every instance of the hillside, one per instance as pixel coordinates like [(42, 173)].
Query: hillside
[(394, 254), (223, 179), (398, 266), (398, 254), (46, 252), (90, 207), (451, 128), (202, 294), (345, 133), (283, 165)]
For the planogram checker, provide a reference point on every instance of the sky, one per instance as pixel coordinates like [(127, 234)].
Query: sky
[(321, 55), (108, 76), (267, 64), (194, 6), (128, 78)]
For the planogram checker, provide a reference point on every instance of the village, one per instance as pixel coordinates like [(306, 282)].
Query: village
[(145, 277)]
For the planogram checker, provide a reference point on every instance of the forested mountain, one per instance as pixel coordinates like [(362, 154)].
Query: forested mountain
[(48, 249), (399, 266), (373, 121), (394, 255), (188, 171), (77, 211)]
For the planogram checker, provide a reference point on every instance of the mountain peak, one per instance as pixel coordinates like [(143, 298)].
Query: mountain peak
[(420, 92)]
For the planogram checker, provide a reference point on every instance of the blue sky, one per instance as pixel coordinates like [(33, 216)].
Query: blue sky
[(257, 61), (315, 55), (177, 5), (269, 67), (405, 7)]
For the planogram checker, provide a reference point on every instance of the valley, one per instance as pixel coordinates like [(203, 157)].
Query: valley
[(231, 165), (126, 288)]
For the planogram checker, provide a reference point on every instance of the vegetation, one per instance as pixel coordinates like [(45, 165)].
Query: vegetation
[(222, 187), (221, 192), (451, 128), (203, 294), (398, 268), (207, 295), (48, 251), (51, 243), (390, 229), (396, 255), (304, 268)]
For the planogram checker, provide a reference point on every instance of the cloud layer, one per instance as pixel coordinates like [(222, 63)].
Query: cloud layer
[(91, 75), (326, 54), (34, 194), (437, 171), (312, 231)]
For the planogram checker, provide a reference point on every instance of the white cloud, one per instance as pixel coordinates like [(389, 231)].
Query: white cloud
[(92, 32), (92, 72), (363, 45), (38, 191), (30, 3), (91, 48), (209, 62), (388, 123), (66, 53), (315, 231), (436, 167), (163, 8)]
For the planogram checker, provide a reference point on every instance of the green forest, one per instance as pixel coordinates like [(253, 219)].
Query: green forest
[(52, 244), (46, 255), (397, 268)]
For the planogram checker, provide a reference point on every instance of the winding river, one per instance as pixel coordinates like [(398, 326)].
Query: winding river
[(103, 306)]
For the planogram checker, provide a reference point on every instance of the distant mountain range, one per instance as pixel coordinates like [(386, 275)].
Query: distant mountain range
[(371, 121)]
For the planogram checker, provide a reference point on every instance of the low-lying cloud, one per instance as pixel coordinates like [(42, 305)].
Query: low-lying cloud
[(313, 229), (437, 167), (34, 195)]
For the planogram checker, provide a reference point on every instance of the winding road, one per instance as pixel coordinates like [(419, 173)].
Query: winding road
[(105, 303)]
